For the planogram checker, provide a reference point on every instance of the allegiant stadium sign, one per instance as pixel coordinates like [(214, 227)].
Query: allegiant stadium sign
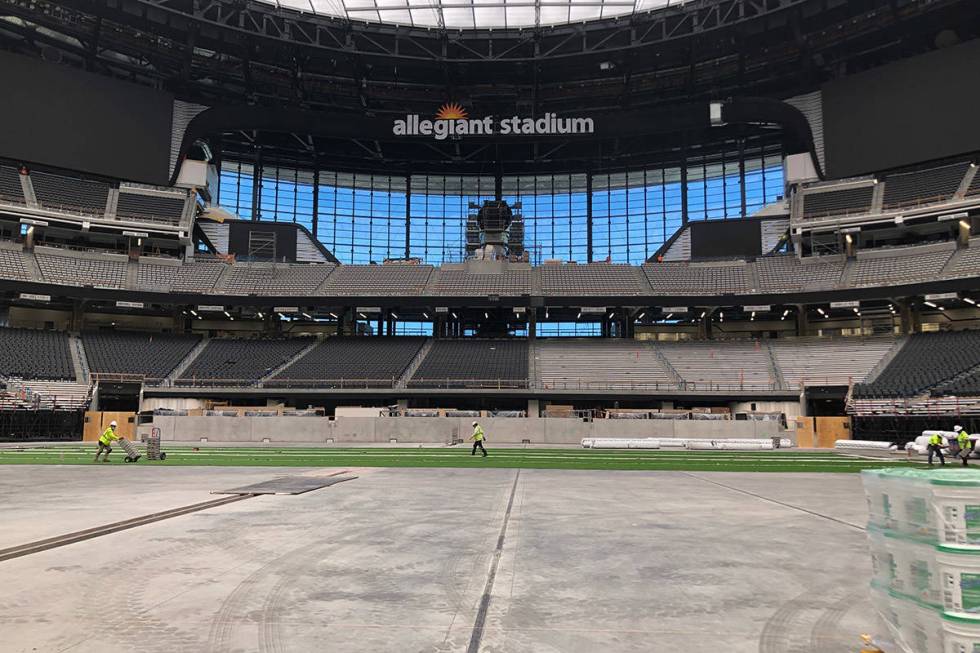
[(453, 121)]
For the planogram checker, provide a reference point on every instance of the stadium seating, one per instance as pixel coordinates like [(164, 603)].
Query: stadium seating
[(370, 280), (786, 273), (926, 361), (10, 188), (592, 279), (162, 275), (275, 279), (966, 262), (974, 187), (81, 269), (821, 361), (459, 283), (239, 362), (906, 265), (721, 365), (12, 264), (152, 355), (923, 186), (697, 279), (473, 364), (70, 193), (346, 362), (154, 208), (599, 364), (837, 202), (31, 354)]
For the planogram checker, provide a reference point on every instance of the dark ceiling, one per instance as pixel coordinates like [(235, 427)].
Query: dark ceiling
[(234, 52)]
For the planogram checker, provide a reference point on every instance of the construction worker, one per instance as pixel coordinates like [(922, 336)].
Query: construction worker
[(936, 447), (478, 439), (105, 442), (964, 442)]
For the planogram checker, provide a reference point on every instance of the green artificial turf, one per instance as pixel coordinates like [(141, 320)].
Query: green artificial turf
[(728, 461)]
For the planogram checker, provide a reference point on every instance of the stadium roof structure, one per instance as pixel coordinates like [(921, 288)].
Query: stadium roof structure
[(475, 14)]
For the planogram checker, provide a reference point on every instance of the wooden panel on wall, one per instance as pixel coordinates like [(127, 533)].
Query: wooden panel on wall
[(831, 429), (804, 432), (98, 421)]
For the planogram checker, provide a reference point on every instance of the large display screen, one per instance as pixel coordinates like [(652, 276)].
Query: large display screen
[(726, 239), (907, 112), (60, 116)]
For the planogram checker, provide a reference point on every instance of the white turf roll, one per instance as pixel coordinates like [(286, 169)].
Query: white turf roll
[(864, 444)]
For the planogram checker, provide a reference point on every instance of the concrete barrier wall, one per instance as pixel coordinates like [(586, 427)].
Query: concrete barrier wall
[(444, 429)]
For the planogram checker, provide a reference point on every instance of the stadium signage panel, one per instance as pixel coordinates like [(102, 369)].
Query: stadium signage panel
[(368, 309), (939, 296), (285, 309), (210, 307), (760, 308), (442, 309), (854, 304), (954, 216), (122, 304), (592, 310), (453, 121), (35, 298), (674, 309)]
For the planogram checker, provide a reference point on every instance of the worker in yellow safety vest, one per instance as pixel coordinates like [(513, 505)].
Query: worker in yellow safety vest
[(936, 447), (105, 442), (965, 443), (478, 439)]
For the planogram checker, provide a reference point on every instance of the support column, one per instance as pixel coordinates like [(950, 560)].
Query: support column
[(802, 321), (910, 316), (533, 409), (705, 329), (77, 315)]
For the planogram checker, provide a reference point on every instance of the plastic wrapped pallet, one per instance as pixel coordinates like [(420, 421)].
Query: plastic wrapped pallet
[(924, 539), (730, 445)]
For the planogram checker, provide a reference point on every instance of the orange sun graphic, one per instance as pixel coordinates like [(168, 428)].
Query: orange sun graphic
[(451, 111)]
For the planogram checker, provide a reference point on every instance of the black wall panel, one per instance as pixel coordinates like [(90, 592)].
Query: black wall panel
[(63, 117), (904, 113)]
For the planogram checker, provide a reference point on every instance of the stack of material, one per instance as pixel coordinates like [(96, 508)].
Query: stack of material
[(924, 532)]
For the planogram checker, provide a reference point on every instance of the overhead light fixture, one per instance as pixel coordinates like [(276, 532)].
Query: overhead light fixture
[(856, 310), (455, 317), (363, 316), (486, 316), (783, 317), (669, 315), (193, 312), (612, 315), (546, 316), (753, 316), (227, 314), (927, 303), (969, 301), (940, 308), (307, 316), (785, 313), (964, 224), (821, 311), (261, 317), (425, 315), (703, 313), (394, 315), (578, 317), (333, 315)]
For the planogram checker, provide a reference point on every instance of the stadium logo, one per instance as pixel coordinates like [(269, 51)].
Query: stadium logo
[(453, 121)]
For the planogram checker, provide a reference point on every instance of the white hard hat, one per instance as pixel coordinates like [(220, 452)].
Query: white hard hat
[(957, 428), (474, 423), (113, 423)]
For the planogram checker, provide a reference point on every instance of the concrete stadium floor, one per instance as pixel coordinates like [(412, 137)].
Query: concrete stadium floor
[(399, 559)]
